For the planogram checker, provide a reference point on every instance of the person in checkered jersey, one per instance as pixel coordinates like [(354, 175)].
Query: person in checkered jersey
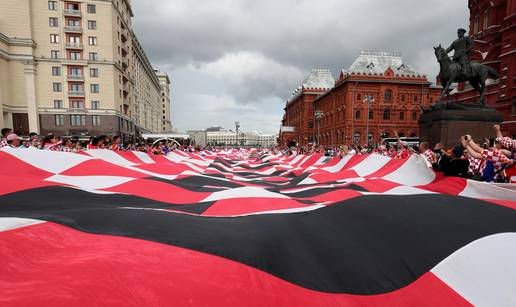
[(507, 142), (5, 133), (494, 153)]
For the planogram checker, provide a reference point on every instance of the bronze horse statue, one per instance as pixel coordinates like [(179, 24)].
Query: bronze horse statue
[(451, 72)]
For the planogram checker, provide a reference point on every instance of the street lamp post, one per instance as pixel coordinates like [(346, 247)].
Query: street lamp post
[(318, 115), (237, 126), (368, 100)]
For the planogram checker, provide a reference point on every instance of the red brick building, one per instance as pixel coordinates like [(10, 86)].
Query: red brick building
[(493, 27), (395, 91), (298, 124)]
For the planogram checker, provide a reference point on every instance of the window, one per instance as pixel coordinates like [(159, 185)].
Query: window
[(77, 104), (52, 5), (53, 22), (92, 40), (91, 8), (54, 54), (357, 114), (163, 117), (56, 71), (475, 26), (74, 23), (402, 115), (371, 115), (95, 105), (403, 98), (77, 87), (94, 72), (388, 95), (95, 120), (72, 6), (75, 71), (310, 124), (95, 88), (359, 97), (78, 120), (356, 137), (57, 87), (163, 111), (59, 119), (94, 56), (54, 38), (58, 104), (92, 24), (386, 114), (414, 115), (485, 24), (415, 98), (75, 55)]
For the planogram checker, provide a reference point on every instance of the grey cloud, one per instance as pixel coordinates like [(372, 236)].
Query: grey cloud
[(297, 34)]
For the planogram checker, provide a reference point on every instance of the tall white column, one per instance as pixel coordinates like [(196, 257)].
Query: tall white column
[(30, 91)]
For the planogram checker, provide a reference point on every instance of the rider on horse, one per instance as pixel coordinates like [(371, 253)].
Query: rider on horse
[(462, 47)]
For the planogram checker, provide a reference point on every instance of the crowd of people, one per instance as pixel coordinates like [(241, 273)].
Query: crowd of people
[(489, 160), (73, 144)]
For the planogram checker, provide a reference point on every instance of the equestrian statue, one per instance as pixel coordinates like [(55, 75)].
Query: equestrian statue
[(460, 69)]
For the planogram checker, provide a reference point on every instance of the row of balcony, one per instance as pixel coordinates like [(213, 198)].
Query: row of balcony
[(72, 29), (74, 45), (73, 13)]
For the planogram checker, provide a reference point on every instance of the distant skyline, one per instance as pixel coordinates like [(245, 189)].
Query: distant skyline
[(240, 60)]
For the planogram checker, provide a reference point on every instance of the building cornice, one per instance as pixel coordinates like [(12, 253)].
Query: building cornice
[(21, 42)]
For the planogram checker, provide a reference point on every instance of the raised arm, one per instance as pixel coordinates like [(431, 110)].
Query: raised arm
[(497, 131), (473, 145)]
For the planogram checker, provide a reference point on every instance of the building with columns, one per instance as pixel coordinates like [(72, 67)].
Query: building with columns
[(492, 25), (75, 67), (377, 95)]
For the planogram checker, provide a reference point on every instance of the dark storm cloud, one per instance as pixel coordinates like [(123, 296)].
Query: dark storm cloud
[(280, 41)]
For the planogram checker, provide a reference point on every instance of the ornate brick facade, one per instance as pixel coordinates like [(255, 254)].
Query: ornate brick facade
[(298, 124), (493, 27), (396, 91)]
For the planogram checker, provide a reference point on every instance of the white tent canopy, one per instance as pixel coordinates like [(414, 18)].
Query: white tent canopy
[(166, 136)]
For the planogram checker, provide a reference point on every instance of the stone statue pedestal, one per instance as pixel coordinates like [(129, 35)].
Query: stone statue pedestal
[(446, 123)]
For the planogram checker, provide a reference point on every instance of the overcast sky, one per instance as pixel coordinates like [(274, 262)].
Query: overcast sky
[(239, 60)]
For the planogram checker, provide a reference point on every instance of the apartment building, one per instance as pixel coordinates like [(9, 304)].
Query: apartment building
[(75, 67), (164, 82)]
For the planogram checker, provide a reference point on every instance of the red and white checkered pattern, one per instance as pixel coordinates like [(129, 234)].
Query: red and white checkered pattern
[(429, 155), (497, 157), (507, 143)]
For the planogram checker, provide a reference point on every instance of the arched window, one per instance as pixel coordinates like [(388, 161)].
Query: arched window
[(413, 135), (402, 98), (370, 137), (356, 137), (415, 98), (371, 115), (388, 95), (402, 115), (386, 114), (357, 114), (359, 97), (414, 116)]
